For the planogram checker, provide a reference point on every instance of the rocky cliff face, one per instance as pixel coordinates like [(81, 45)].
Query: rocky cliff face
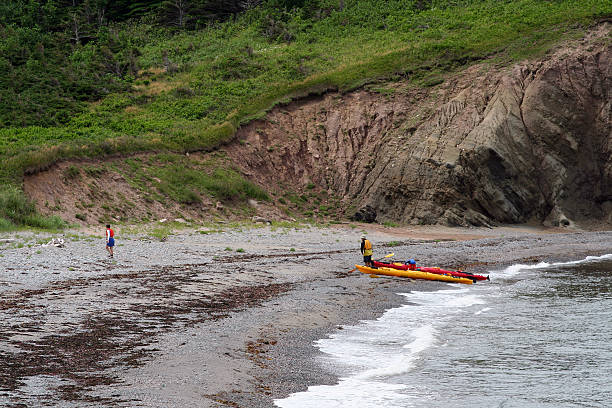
[(489, 145)]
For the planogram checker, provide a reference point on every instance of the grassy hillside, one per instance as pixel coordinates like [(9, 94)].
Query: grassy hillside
[(193, 88)]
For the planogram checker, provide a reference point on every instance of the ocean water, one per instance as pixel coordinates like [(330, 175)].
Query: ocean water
[(535, 336)]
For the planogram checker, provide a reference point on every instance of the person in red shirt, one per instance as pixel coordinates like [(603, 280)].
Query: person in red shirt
[(110, 240)]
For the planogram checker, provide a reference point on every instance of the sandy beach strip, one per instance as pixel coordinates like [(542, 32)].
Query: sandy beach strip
[(210, 318)]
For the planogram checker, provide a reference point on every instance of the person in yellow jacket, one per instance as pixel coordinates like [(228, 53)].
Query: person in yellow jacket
[(366, 250)]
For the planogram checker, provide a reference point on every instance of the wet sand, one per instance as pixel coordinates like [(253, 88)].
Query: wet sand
[(216, 318)]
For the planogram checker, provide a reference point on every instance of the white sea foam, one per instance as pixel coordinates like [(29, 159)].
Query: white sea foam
[(458, 298), (486, 309), (349, 392), (588, 259), (402, 362), (513, 270), (371, 354)]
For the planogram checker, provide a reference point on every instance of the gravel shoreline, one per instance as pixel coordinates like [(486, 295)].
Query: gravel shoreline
[(216, 318)]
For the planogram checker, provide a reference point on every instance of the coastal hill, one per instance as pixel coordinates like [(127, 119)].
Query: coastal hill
[(459, 113)]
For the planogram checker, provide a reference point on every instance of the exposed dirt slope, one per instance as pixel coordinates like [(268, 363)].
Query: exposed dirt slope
[(489, 145), (93, 192)]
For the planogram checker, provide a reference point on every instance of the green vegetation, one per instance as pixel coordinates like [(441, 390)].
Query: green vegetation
[(163, 231), (94, 78), (6, 225), (72, 172), (16, 210), (160, 232), (288, 225), (183, 180)]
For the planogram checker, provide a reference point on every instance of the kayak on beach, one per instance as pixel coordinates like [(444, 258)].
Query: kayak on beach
[(459, 274), (404, 267), (412, 274)]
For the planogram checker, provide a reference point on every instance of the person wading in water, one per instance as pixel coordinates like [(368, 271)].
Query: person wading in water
[(366, 250)]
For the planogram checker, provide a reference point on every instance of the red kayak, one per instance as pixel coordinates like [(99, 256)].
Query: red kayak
[(404, 267)]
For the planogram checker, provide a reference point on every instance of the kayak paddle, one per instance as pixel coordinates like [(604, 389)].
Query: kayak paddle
[(386, 256)]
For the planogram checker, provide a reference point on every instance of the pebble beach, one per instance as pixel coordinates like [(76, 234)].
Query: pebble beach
[(216, 317)]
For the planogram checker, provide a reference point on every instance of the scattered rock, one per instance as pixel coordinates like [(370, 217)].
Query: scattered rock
[(163, 220), (253, 203), (180, 220), (557, 218)]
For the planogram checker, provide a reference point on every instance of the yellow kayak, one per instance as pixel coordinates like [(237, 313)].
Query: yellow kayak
[(412, 274)]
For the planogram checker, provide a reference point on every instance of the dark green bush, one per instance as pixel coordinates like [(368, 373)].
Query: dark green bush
[(227, 184), (50, 223), (6, 225), (14, 206)]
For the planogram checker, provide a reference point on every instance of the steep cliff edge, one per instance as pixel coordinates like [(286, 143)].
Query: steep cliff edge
[(489, 145)]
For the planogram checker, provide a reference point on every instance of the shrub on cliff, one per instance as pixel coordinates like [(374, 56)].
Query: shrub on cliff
[(16, 209)]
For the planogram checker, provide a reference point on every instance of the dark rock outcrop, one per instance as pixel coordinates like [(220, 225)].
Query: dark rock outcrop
[(365, 214)]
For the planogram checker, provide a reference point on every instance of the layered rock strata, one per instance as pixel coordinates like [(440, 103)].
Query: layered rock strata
[(489, 145)]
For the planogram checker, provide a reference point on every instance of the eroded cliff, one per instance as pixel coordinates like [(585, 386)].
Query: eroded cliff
[(489, 145)]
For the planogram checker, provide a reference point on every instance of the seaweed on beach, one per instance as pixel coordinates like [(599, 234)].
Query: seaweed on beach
[(87, 353)]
